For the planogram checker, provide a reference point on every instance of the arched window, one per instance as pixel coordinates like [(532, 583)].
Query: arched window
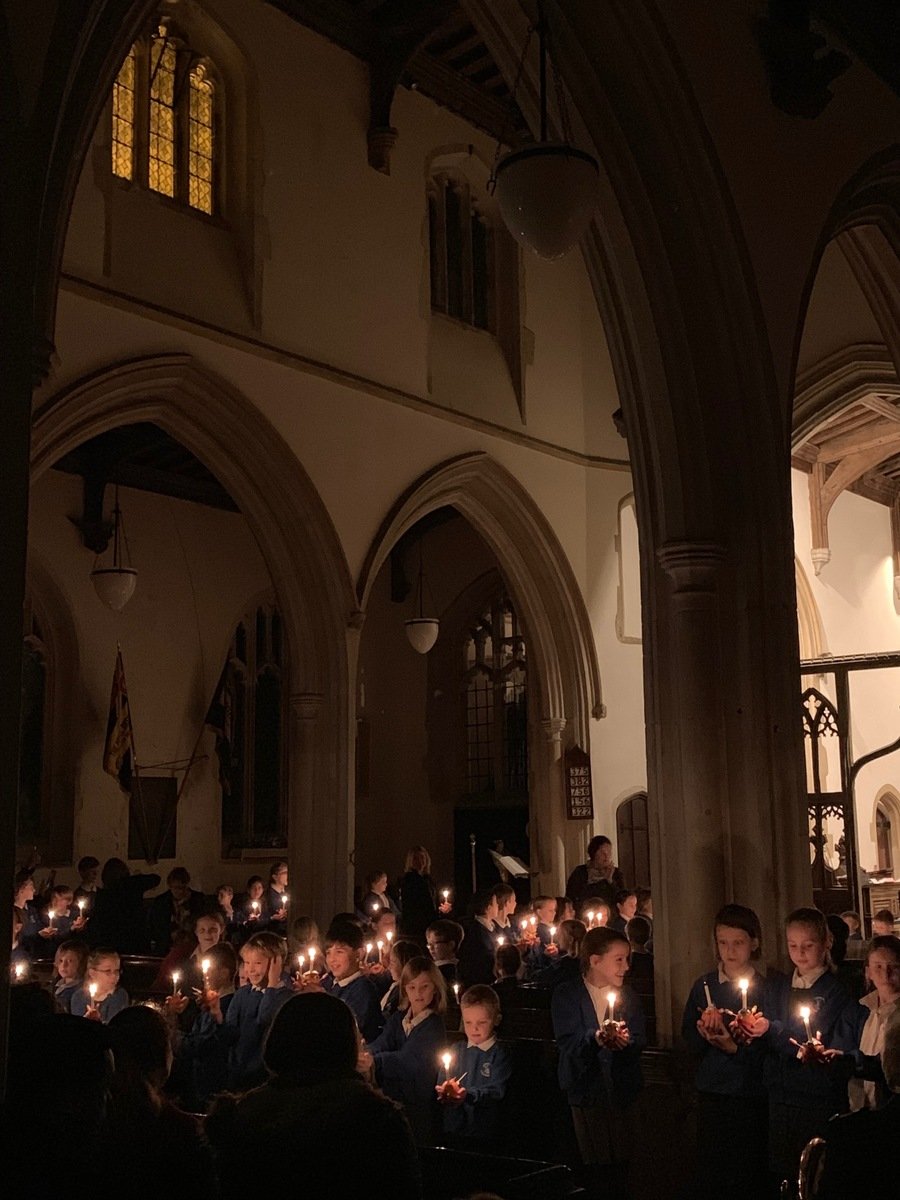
[(496, 705), (884, 846), (165, 105), (252, 769), (461, 257)]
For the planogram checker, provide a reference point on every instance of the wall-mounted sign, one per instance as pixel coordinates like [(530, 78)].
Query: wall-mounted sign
[(579, 797)]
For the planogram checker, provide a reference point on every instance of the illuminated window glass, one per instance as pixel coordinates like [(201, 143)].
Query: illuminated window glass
[(123, 119), (161, 161), (201, 140)]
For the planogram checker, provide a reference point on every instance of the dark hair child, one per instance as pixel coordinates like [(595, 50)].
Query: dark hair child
[(201, 1055), (732, 1111), (399, 955), (346, 980), (599, 1059), (567, 966), (805, 1091)]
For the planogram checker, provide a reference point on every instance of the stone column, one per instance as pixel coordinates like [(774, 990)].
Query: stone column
[(310, 853), (549, 847)]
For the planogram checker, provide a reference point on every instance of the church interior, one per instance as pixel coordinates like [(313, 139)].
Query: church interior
[(345, 515)]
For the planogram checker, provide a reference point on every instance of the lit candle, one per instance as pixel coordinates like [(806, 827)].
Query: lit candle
[(611, 1006), (601, 916), (709, 1003), (523, 924), (532, 922), (456, 992), (446, 1059), (376, 907), (390, 937), (804, 1013), (82, 904), (21, 968), (552, 934), (446, 894), (92, 992), (285, 899), (501, 940), (590, 917), (368, 950), (51, 914), (204, 967), (312, 956), (176, 975), (379, 946), (301, 959), (254, 908), (744, 985)]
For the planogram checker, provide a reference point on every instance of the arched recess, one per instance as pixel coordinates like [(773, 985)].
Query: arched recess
[(46, 607), (304, 558), (813, 642), (564, 674), (888, 801)]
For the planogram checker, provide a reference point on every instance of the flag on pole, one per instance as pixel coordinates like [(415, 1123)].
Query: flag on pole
[(118, 750), (220, 718)]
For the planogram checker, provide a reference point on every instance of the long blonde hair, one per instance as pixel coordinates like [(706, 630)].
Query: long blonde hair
[(411, 854), (423, 966)]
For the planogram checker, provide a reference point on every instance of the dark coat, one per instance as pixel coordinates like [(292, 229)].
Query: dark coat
[(476, 955), (578, 888), (160, 916), (301, 1126), (418, 904), (589, 1073), (118, 919)]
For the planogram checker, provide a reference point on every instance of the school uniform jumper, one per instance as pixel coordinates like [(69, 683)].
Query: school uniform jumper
[(361, 997), (601, 1084), (487, 1069), (249, 1016), (406, 1068), (733, 1108), (114, 1003)]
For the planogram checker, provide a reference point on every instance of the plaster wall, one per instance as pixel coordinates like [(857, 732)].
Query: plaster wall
[(860, 615)]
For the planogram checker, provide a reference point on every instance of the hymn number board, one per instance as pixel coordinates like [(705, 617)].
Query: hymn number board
[(579, 796)]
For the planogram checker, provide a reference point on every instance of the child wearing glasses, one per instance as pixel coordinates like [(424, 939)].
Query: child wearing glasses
[(101, 997)]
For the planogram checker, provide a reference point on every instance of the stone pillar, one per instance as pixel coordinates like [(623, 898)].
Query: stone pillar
[(310, 852), (549, 848)]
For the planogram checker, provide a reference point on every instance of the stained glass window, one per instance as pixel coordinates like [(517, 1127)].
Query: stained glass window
[(496, 695), (123, 119), (161, 162), (201, 140)]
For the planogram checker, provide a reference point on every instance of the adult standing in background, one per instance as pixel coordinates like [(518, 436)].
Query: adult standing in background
[(118, 919), (418, 895), (599, 876)]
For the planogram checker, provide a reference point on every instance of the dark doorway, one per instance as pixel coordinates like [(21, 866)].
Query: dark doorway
[(508, 825)]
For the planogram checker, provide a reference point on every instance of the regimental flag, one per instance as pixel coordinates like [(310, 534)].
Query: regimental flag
[(220, 717), (118, 750)]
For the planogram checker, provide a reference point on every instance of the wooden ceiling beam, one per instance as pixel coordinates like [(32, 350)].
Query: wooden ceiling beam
[(882, 434), (884, 408)]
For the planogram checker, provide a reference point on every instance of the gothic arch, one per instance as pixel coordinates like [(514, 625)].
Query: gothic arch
[(564, 681), (813, 641), (301, 550)]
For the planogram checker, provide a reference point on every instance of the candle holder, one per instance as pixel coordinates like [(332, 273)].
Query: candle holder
[(610, 1032), (744, 1024)]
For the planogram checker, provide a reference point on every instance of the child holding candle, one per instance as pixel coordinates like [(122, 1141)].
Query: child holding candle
[(61, 918), (405, 1055), (376, 898), (479, 1072), (69, 970), (443, 939), (732, 1108), (881, 1005), (101, 997), (505, 896), (567, 964), (806, 1086), (347, 981), (201, 1055), (476, 952), (599, 1062), (244, 1023), (249, 910), (399, 955), (276, 898), (544, 949)]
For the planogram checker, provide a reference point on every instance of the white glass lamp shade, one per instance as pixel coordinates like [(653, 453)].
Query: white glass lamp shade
[(114, 585), (547, 194), (422, 633)]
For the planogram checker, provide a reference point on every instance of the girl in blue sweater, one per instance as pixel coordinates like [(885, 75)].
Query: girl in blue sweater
[(806, 1086), (599, 1028), (732, 1109), (406, 1053)]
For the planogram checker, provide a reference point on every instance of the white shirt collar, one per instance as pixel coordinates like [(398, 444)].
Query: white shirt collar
[(481, 1045), (809, 979), (486, 922), (342, 983), (410, 1022)]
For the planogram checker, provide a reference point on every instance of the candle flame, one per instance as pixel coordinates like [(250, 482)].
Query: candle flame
[(92, 988), (312, 954), (376, 907), (379, 945), (501, 940), (300, 961), (176, 975), (611, 997), (445, 1059), (284, 900), (205, 965), (20, 970), (553, 931), (446, 893), (390, 936), (590, 916), (804, 1012)]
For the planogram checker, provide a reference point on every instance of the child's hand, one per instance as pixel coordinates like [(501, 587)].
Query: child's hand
[(365, 1063), (92, 1012), (280, 915), (444, 907), (214, 1008), (614, 1035), (79, 922), (276, 966), (47, 932), (176, 1004), (722, 1041), (450, 1092), (711, 1022), (748, 1026), (551, 949)]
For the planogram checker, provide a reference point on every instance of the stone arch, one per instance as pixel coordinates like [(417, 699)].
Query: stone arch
[(888, 800), (566, 681), (813, 640), (303, 555)]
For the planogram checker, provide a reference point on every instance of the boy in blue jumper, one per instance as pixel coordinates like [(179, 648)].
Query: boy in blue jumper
[(201, 1053), (478, 1074), (243, 1025), (347, 981)]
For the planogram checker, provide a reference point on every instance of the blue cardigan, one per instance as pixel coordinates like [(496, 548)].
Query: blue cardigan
[(718, 1072), (839, 1018), (591, 1074), (406, 1067), (250, 1014), (112, 1004), (361, 997), (487, 1074)]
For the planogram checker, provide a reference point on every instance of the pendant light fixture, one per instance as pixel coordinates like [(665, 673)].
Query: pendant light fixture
[(115, 585), (421, 631), (546, 193)]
